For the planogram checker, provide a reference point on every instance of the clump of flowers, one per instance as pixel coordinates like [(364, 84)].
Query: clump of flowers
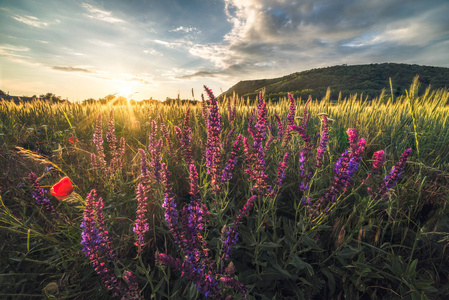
[(141, 224), (394, 176), (116, 148), (186, 227), (97, 247)]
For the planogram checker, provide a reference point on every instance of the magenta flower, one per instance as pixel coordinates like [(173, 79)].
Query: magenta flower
[(290, 120), (98, 160), (213, 145), (185, 138), (39, 194), (141, 224), (323, 142), (394, 176), (232, 161), (282, 166), (379, 160)]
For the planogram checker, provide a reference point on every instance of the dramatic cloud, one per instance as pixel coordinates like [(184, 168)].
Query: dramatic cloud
[(279, 33), (178, 45)]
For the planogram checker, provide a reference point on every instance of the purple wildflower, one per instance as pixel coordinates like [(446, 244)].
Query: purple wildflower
[(282, 166), (204, 110), (323, 142), (141, 224), (169, 204), (39, 194), (112, 140), (98, 160), (379, 160), (133, 286), (213, 145), (290, 120), (345, 167), (232, 161), (95, 247), (394, 176)]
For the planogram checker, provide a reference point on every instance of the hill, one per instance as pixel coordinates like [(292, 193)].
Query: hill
[(367, 79)]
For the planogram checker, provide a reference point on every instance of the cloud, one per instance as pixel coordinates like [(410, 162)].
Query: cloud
[(153, 52), (186, 29), (284, 36), (72, 69), (101, 15), (30, 20)]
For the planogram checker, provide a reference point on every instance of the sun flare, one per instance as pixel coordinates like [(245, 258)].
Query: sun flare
[(126, 90)]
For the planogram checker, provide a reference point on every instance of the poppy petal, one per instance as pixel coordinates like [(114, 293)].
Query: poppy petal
[(62, 189)]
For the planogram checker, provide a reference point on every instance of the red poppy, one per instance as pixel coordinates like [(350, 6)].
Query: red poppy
[(73, 140), (62, 189)]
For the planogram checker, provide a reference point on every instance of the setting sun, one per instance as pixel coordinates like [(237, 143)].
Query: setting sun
[(126, 90)]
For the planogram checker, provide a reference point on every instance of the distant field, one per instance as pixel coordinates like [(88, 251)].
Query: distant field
[(226, 199)]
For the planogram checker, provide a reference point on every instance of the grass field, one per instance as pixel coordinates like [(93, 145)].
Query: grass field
[(227, 199)]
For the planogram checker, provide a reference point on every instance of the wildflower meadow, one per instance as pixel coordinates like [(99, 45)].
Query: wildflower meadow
[(226, 198)]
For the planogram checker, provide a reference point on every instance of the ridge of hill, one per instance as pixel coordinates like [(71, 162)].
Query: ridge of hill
[(369, 80)]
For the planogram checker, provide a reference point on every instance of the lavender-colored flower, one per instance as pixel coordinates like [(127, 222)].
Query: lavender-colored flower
[(39, 194), (204, 110), (95, 247), (213, 145), (323, 142), (141, 224), (232, 161), (378, 161), (186, 139), (290, 120), (133, 286), (144, 173), (268, 144), (197, 266), (169, 204), (99, 160), (282, 166), (394, 176)]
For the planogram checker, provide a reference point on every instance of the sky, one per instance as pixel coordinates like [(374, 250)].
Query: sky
[(146, 48)]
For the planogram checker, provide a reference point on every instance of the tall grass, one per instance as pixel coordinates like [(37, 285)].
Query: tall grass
[(363, 248)]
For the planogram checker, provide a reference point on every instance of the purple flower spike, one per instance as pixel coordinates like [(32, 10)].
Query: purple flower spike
[(282, 166), (323, 142), (141, 224), (39, 194), (232, 161), (213, 145), (394, 176), (98, 248), (98, 160), (185, 138), (290, 120)]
